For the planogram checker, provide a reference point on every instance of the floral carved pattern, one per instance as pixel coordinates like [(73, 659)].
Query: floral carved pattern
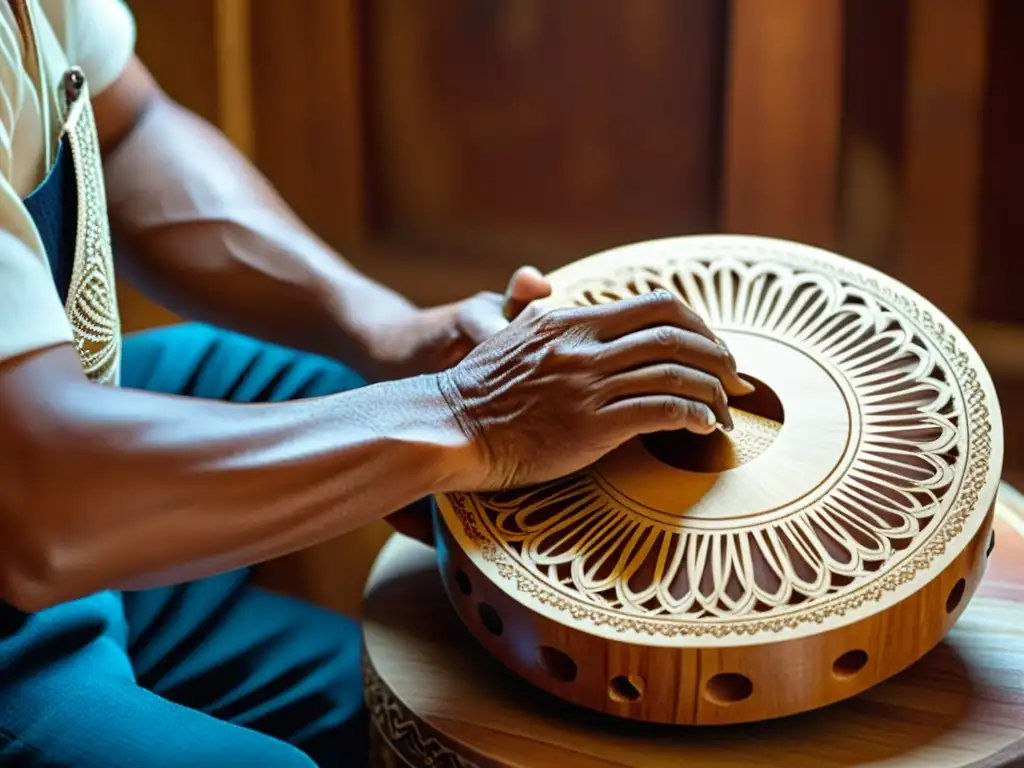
[(918, 465)]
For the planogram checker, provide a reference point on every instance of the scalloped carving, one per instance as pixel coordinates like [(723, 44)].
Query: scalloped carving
[(905, 477)]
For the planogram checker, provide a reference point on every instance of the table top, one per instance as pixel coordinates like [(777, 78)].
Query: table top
[(432, 687)]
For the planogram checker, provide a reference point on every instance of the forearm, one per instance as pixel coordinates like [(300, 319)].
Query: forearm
[(110, 488), (205, 235)]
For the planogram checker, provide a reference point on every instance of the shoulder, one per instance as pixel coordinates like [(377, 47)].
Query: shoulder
[(96, 35)]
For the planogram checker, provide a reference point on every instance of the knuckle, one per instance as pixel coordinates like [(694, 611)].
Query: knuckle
[(721, 356), (559, 318), (674, 409), (675, 377), (661, 297), (666, 337)]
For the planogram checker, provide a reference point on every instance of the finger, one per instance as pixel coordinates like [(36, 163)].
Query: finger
[(526, 285), (645, 311), (658, 413), (671, 380), (667, 344), (480, 317)]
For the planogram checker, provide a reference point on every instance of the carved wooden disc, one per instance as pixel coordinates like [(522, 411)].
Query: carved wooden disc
[(862, 471)]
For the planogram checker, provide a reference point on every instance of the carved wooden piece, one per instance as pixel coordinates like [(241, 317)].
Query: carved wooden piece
[(825, 545), (438, 699)]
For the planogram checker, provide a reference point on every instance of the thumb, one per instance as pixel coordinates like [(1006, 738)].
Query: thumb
[(526, 285)]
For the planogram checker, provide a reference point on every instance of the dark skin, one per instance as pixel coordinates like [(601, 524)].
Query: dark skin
[(112, 488)]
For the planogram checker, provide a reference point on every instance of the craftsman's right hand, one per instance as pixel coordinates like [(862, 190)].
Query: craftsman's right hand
[(553, 392)]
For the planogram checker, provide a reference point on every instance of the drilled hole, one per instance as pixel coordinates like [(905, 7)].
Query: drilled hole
[(956, 594), (626, 689), (728, 688), (850, 663), (759, 413), (991, 544), (465, 585), (557, 664), (490, 618)]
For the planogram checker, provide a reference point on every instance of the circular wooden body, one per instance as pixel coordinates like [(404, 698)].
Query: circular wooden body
[(827, 543), (438, 699)]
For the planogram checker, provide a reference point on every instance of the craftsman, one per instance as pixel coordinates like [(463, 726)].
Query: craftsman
[(141, 477)]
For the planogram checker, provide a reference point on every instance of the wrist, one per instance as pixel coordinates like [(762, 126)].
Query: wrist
[(430, 420)]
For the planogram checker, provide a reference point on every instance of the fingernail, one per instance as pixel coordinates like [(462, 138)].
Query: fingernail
[(750, 387)]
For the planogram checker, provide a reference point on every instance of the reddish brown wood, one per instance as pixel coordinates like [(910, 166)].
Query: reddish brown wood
[(948, 67), (309, 110), (1000, 268), (783, 119), (872, 141), (533, 130)]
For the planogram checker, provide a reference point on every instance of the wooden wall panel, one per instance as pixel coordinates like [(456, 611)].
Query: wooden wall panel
[(1000, 273), (783, 114), (527, 129), (946, 85), (309, 110), (178, 41), (873, 141)]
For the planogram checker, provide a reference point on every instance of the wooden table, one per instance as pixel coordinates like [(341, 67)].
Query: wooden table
[(439, 700)]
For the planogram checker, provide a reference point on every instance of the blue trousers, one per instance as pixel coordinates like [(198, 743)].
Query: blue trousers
[(210, 673)]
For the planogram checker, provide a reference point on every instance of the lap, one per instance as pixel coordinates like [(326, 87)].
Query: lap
[(214, 672), (200, 361)]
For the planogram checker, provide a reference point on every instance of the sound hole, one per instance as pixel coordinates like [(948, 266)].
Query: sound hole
[(728, 688), (557, 664), (626, 689), (955, 596), (490, 619), (465, 585), (850, 663), (991, 544), (757, 418)]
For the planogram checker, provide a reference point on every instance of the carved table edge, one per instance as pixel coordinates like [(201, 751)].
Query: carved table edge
[(408, 735)]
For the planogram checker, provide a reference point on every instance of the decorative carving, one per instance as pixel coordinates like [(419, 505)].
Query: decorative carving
[(905, 476), (91, 304), (402, 731)]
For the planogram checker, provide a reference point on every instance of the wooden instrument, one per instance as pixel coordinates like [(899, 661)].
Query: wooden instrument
[(438, 699), (827, 543)]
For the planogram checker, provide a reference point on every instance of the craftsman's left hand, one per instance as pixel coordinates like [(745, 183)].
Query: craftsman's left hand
[(435, 339), (447, 335), (483, 315)]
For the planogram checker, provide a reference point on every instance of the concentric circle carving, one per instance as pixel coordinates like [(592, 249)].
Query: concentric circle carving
[(885, 456)]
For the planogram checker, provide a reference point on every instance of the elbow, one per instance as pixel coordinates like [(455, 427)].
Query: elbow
[(38, 445), (30, 575), (30, 572)]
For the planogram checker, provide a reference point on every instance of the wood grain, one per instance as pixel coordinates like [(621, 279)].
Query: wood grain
[(948, 69), (783, 115), (527, 130), (309, 111), (234, 66), (744, 576), (438, 696)]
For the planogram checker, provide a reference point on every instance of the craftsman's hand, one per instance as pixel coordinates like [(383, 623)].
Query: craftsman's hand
[(553, 392), (485, 314), (446, 335), (431, 340)]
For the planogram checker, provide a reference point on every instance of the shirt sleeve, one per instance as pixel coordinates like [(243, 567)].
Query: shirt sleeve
[(96, 35)]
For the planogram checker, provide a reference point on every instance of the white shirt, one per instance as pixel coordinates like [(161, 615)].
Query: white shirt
[(99, 37)]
